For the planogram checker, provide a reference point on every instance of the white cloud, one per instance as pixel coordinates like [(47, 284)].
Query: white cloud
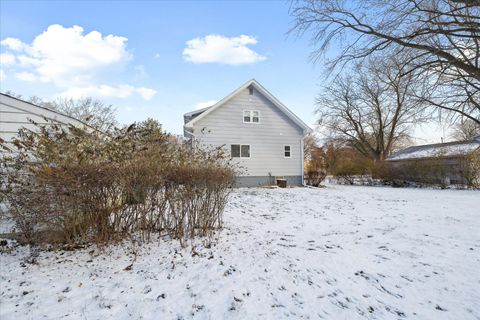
[(205, 104), (2, 75), (7, 59), (140, 73), (146, 93), (106, 91), (13, 44), (65, 55), (25, 76), (74, 61), (26, 61), (219, 49), (157, 55)]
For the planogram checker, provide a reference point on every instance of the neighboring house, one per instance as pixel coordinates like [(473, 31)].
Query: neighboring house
[(17, 113), (442, 163), (262, 135)]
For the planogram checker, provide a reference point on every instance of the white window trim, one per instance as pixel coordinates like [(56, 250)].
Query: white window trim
[(287, 145), (241, 144), (251, 117), (243, 116)]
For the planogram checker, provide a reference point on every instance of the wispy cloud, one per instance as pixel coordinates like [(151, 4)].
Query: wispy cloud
[(121, 91), (205, 104), (25, 76)]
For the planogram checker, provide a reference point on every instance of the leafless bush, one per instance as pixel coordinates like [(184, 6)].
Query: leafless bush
[(462, 170), (348, 171), (315, 177), (470, 169), (430, 172), (69, 186), (315, 165)]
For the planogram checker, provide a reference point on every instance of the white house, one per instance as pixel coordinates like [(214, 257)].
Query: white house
[(261, 134), (16, 113)]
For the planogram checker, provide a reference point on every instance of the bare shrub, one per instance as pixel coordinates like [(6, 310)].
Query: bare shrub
[(315, 166), (463, 170), (470, 169), (314, 177), (348, 170), (70, 186)]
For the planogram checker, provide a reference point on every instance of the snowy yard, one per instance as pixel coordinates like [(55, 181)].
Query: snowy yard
[(339, 252)]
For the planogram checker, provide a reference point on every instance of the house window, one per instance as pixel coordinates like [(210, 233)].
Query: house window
[(255, 116), (245, 151), (246, 116), (287, 151), (240, 151), (250, 90), (251, 116), (235, 151)]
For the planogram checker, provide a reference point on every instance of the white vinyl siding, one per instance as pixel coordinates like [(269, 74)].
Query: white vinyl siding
[(222, 128), (16, 114)]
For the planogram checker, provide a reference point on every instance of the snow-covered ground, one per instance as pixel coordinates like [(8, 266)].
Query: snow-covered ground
[(340, 252)]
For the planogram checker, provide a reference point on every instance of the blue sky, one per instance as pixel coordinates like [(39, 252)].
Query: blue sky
[(155, 59)]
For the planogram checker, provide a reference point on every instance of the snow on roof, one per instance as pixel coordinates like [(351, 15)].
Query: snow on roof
[(450, 149)]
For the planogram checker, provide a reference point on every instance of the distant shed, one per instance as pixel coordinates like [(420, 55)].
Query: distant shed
[(441, 163)]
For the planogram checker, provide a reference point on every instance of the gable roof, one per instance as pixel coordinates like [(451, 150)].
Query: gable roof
[(199, 114), (449, 149), (187, 117), (31, 108)]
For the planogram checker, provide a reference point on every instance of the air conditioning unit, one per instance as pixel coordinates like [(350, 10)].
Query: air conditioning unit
[(281, 182)]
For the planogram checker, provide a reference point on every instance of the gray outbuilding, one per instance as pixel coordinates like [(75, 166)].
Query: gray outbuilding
[(442, 163)]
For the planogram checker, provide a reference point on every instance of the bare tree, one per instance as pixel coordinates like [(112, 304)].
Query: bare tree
[(93, 112), (32, 99), (370, 110), (465, 130), (310, 143), (442, 37), (315, 167), (12, 94)]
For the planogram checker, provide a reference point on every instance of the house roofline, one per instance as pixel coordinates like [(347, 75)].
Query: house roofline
[(48, 109), (191, 113), (299, 122), (442, 157), (410, 150)]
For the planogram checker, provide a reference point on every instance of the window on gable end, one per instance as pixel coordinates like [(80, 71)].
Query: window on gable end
[(246, 116), (255, 116)]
